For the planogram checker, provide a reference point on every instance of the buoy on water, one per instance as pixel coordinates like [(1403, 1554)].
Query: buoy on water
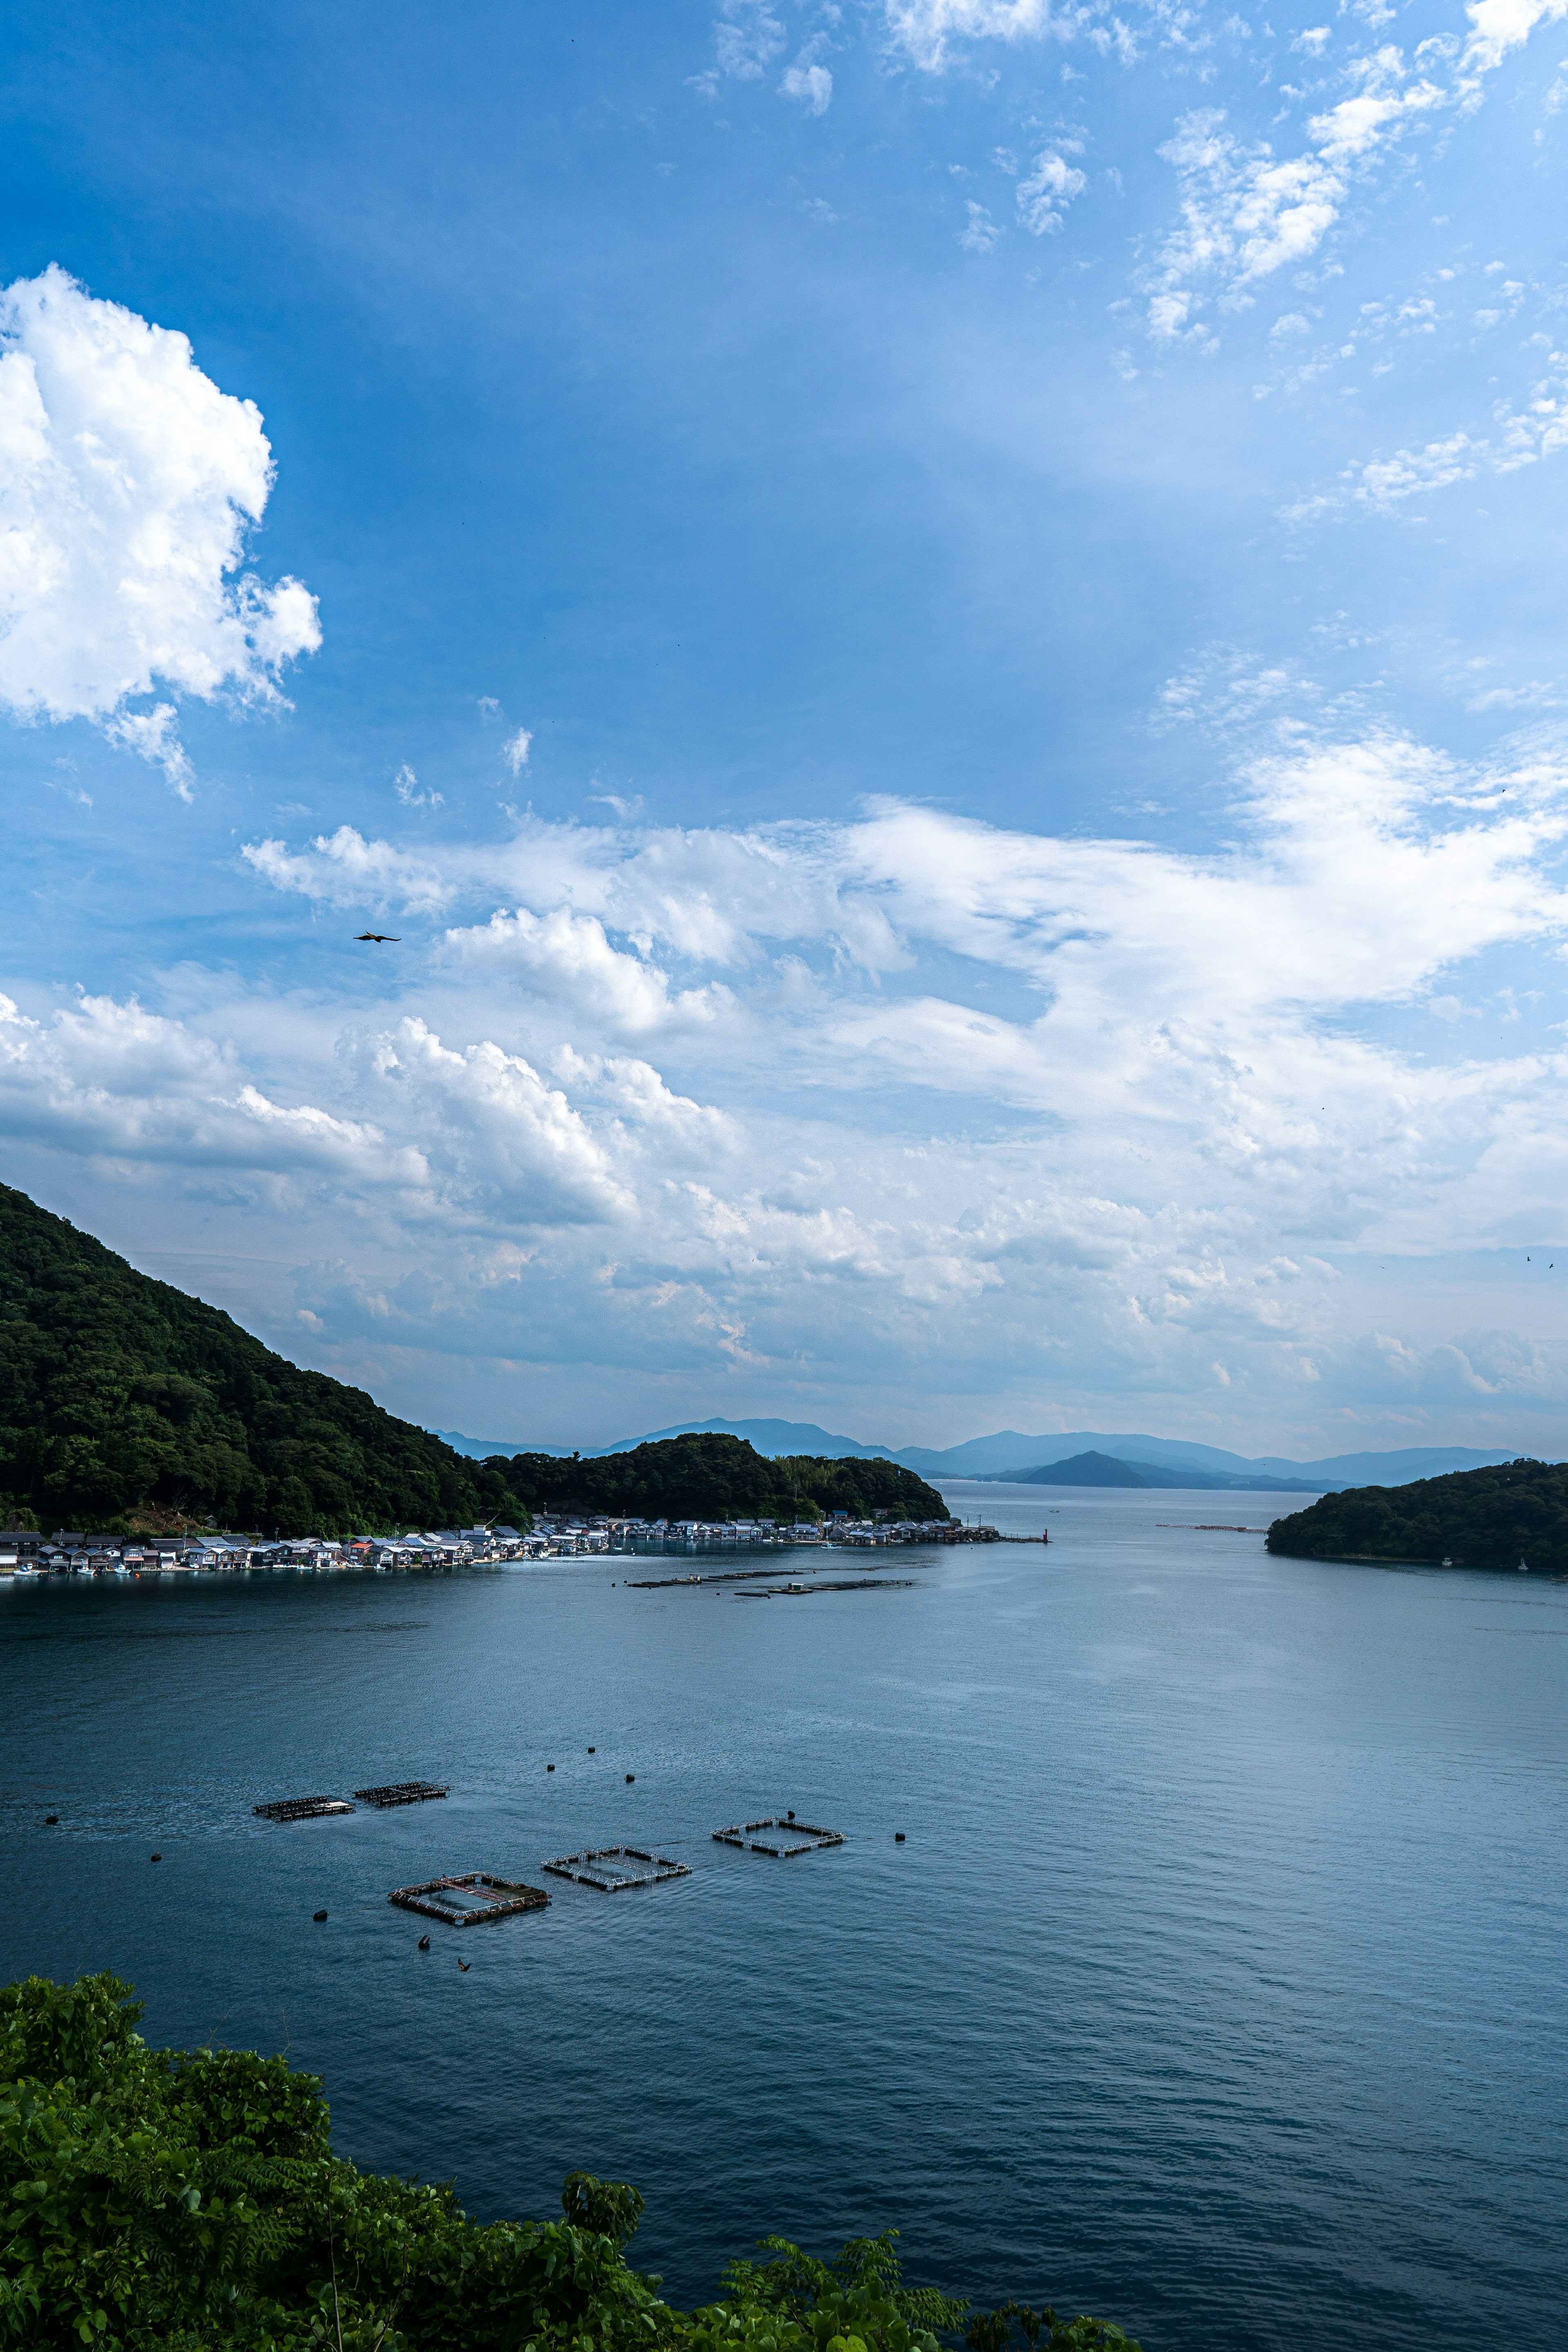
[(550, 1768), (898, 1837), (424, 1943), (157, 1857), (51, 1821), (593, 1751), (317, 1916), (631, 1776)]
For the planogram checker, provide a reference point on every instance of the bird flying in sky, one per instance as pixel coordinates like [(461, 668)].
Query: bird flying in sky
[(382, 938)]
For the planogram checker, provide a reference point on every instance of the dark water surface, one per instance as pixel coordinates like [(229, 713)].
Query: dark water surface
[(1218, 1989)]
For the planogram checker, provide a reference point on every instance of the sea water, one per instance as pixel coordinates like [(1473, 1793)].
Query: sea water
[(1218, 1985)]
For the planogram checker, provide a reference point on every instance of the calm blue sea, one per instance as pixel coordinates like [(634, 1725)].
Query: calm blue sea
[(1218, 1988)]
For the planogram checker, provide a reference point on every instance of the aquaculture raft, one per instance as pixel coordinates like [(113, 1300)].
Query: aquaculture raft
[(859, 1584), (815, 1841), (579, 1866), (402, 1792), (302, 1808), (468, 1898)]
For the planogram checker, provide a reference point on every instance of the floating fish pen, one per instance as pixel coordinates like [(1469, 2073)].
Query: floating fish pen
[(302, 1808), (855, 1584), (579, 1867), (402, 1792), (814, 1841), (722, 1576), (468, 1898)]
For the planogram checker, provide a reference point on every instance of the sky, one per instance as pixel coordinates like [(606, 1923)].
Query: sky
[(936, 628)]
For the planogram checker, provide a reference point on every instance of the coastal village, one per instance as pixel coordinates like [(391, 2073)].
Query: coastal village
[(72, 1552)]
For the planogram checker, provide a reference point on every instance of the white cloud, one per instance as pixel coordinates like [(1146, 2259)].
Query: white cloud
[(1050, 1100), (570, 957), (128, 481), (405, 785), (1049, 188), (747, 37), (925, 28), (1248, 213), (979, 233), (1499, 25), (515, 750), (812, 84)]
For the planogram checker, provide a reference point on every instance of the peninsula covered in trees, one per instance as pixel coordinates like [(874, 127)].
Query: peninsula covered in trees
[(711, 1477), (1472, 1518), (127, 1406), (124, 1402)]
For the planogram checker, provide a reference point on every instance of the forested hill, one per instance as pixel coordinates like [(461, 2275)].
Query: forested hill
[(1472, 1518), (120, 1397), (709, 1476)]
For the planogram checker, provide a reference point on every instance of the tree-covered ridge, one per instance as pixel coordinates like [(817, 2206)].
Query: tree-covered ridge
[(711, 1476), (120, 1396), (1474, 1518), (154, 2201)]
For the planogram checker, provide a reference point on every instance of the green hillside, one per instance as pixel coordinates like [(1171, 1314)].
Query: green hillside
[(122, 1399), (1474, 1518), (710, 1476)]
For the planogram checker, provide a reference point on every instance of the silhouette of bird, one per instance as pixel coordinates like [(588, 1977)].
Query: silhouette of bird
[(424, 1943), (380, 939), (465, 1965)]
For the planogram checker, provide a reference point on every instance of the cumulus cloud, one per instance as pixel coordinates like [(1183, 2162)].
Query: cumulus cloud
[(570, 957), (1248, 213), (128, 481), (1043, 196), (979, 232), (405, 785), (813, 85), (803, 1100), (927, 29)]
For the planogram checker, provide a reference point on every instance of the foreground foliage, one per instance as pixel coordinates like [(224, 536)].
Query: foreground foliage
[(119, 1396), (1473, 1519), (709, 1475), (154, 2201)]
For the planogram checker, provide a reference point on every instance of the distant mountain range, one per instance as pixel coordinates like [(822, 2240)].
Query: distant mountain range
[(1010, 1455)]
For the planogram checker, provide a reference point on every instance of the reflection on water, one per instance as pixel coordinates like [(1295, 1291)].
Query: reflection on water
[(1218, 1985)]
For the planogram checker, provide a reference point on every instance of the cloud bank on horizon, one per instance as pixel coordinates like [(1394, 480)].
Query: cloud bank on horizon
[(1218, 1083)]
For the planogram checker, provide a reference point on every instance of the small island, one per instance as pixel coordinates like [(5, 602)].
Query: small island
[(1514, 1515)]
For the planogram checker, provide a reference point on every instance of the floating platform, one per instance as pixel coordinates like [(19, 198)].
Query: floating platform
[(858, 1584), (302, 1808), (402, 1792), (814, 1841), (470, 1897), (579, 1867)]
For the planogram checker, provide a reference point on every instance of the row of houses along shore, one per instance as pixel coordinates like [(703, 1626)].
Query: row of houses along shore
[(70, 1552)]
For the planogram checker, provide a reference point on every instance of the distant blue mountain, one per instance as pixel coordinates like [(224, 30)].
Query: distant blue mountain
[(1010, 1452)]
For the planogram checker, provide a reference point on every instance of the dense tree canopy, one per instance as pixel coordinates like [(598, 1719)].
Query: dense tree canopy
[(1475, 1519), (119, 1395), (158, 2202), (710, 1475)]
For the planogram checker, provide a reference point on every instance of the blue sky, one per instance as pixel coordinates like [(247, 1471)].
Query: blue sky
[(938, 623)]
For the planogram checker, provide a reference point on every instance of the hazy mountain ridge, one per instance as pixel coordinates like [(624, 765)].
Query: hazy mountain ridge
[(1008, 1452)]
